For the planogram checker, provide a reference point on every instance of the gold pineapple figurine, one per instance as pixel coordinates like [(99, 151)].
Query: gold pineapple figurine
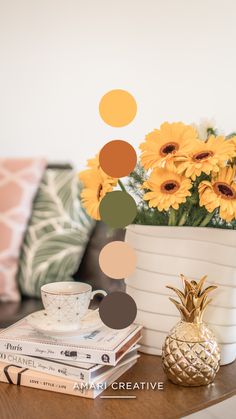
[(190, 354)]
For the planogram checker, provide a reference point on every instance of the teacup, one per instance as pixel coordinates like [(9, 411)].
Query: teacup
[(67, 302)]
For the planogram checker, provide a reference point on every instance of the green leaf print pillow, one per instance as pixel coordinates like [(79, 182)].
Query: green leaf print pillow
[(57, 234)]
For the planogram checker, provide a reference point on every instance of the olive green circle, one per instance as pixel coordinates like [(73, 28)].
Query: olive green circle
[(117, 209)]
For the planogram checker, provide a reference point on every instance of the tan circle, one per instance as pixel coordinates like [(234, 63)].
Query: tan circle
[(117, 260)]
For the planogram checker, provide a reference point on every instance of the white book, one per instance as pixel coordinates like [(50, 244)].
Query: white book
[(102, 346), (79, 371), (23, 376)]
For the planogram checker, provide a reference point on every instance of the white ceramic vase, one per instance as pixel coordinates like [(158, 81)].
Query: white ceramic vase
[(165, 252)]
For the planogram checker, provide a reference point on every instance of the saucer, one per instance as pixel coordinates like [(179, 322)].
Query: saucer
[(42, 323)]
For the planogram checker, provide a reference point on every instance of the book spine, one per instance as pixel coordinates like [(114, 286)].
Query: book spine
[(47, 366), (58, 352), (22, 376)]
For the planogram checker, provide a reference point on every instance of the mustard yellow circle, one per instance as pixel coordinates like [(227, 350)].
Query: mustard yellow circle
[(117, 108)]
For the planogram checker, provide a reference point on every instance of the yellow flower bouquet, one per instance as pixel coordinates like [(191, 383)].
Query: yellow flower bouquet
[(181, 179)]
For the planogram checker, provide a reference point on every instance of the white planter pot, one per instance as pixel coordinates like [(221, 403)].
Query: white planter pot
[(165, 252)]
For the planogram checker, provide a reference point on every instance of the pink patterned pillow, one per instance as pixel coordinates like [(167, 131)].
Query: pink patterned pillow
[(19, 181)]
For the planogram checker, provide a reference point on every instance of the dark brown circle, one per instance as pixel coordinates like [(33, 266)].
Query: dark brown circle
[(118, 310), (117, 158)]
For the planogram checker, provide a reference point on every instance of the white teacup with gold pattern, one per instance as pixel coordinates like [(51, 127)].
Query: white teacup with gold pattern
[(67, 302)]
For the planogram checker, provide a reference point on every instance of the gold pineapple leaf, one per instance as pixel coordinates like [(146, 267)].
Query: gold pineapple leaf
[(203, 302), (206, 304), (183, 311), (200, 300), (190, 304), (193, 300), (187, 286), (208, 289), (178, 292), (201, 283), (194, 284), (193, 314)]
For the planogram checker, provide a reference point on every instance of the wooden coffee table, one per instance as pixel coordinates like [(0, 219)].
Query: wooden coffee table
[(173, 402)]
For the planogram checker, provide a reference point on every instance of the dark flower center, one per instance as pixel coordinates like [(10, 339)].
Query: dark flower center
[(203, 155), (170, 186), (224, 190), (169, 148)]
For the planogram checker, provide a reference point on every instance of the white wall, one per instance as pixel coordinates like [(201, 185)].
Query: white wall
[(58, 57)]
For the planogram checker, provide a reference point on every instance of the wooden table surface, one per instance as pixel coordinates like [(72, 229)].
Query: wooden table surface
[(173, 402)]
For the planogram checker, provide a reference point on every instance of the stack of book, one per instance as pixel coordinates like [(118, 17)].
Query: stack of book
[(81, 365)]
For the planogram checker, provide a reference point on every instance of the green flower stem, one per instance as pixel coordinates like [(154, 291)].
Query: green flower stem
[(207, 219), (192, 201), (172, 217), (232, 134), (183, 218), (121, 185), (197, 221), (211, 131)]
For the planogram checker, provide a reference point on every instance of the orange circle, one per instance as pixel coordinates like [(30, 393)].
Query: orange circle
[(117, 260), (117, 158), (117, 108)]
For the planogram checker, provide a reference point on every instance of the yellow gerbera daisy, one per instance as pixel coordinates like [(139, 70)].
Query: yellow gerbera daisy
[(206, 157), (85, 175), (167, 189), (162, 145), (220, 193), (233, 141), (96, 184)]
